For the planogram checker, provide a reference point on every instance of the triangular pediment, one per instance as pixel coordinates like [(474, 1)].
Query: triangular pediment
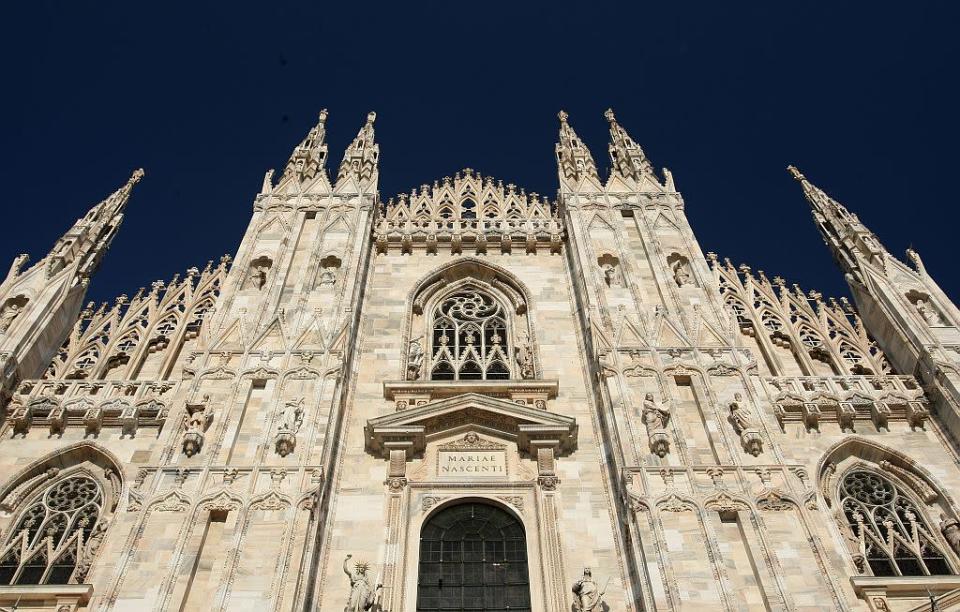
[(526, 425)]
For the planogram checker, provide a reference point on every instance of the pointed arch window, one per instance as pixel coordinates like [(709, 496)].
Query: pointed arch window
[(51, 533), (892, 534), (468, 209), (810, 339), (470, 338)]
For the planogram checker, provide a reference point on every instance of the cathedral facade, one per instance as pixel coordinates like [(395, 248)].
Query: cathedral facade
[(472, 397)]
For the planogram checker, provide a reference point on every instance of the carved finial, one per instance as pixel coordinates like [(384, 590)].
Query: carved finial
[(609, 115), (371, 117), (563, 116)]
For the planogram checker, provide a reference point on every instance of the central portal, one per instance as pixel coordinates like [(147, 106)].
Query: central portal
[(473, 557)]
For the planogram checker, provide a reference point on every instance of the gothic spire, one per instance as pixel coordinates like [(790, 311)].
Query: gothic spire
[(573, 157), (849, 240), (627, 157), (360, 158), (310, 156), (91, 236)]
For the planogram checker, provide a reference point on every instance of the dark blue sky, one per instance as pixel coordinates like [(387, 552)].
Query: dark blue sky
[(207, 96)]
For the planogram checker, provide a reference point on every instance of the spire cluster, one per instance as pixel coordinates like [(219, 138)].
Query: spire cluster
[(628, 161)]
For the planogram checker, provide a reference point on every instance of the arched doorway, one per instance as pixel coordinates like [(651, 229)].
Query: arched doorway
[(473, 556)]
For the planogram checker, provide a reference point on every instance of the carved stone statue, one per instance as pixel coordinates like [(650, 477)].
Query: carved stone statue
[(292, 416), (362, 597), (414, 360), (587, 595), (327, 277), (258, 277), (199, 416), (681, 274), (525, 361), (928, 313), (10, 312), (739, 416), (196, 420), (950, 528), (655, 414), (611, 276), (743, 424)]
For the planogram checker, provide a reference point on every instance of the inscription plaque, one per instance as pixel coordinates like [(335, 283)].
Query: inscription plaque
[(473, 463)]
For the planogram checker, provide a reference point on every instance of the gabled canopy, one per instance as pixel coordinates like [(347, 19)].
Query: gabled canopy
[(527, 426)]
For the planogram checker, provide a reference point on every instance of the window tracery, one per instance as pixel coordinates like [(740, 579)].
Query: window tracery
[(470, 338), (53, 533), (888, 529)]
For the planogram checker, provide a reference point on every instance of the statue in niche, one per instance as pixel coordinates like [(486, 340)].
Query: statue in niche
[(655, 414), (362, 597), (291, 417), (587, 595), (329, 266), (198, 416), (10, 312), (744, 426), (611, 276), (258, 276), (524, 361), (928, 312), (681, 273), (327, 277), (950, 528), (196, 420), (739, 416), (414, 360)]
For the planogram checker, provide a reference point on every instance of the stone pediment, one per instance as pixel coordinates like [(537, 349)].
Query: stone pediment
[(527, 426)]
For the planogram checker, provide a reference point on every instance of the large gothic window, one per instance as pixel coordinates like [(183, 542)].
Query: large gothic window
[(893, 536), (50, 534), (469, 339), (473, 557)]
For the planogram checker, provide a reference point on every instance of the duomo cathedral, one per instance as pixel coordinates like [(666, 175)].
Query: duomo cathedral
[(470, 397)]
